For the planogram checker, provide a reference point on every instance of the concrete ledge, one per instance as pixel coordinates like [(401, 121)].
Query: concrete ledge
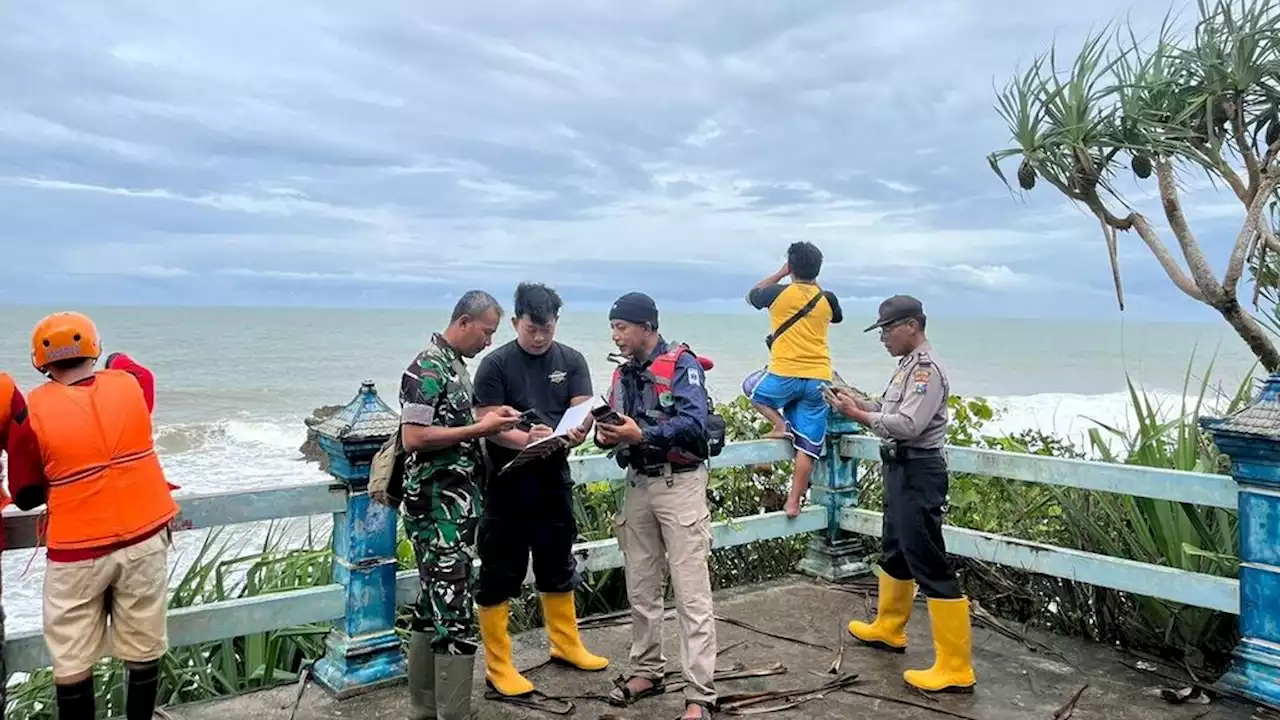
[(1014, 682)]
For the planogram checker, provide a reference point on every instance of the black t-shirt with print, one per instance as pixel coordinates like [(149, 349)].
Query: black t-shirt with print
[(546, 383)]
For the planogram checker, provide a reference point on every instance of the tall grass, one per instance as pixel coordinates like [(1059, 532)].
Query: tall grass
[(1166, 533), (1172, 534), (223, 667)]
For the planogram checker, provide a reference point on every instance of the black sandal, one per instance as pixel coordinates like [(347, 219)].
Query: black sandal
[(624, 697), (705, 713)]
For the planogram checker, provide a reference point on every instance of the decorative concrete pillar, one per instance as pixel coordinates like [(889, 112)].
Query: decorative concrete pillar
[(835, 554), (362, 651), (1251, 437)]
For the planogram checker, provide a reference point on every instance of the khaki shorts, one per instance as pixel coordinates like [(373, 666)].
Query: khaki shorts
[(76, 626)]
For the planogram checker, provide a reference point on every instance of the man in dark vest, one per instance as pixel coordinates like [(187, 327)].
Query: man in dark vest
[(661, 437)]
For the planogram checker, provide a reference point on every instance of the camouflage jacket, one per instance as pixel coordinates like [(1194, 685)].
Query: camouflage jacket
[(436, 391)]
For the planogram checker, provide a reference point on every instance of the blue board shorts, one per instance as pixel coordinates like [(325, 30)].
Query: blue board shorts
[(801, 403)]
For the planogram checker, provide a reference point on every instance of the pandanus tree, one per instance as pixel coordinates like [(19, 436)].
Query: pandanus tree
[(1177, 104)]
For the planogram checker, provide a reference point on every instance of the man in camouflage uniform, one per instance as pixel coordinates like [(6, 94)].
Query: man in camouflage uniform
[(444, 475)]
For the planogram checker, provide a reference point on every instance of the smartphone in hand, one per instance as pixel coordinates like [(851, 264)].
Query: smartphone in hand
[(527, 420), (605, 415)]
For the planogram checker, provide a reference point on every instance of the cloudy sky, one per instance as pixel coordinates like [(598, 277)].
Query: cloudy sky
[(394, 153)]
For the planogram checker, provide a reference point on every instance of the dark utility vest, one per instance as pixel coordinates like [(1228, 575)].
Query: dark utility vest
[(656, 404)]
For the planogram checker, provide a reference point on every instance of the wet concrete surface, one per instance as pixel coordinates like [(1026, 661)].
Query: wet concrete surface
[(1014, 681)]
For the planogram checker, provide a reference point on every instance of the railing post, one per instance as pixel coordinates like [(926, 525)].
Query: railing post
[(835, 554), (1251, 438), (362, 652)]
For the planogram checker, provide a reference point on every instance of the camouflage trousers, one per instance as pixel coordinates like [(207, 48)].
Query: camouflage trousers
[(445, 553)]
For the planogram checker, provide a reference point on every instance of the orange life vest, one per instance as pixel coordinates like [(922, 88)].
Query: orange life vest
[(656, 401), (7, 388), (106, 486)]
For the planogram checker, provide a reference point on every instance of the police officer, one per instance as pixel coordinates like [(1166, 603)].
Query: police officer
[(911, 418), (443, 477), (660, 435)]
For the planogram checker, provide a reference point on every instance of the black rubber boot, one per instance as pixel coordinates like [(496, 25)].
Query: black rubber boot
[(453, 686), (422, 677), (75, 702), (140, 698)]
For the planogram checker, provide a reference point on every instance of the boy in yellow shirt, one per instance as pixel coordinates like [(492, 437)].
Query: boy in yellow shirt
[(800, 314)]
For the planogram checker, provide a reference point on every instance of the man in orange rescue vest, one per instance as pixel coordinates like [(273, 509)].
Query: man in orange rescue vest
[(83, 447), (11, 403)]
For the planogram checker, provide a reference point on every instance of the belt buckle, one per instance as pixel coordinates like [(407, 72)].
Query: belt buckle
[(656, 470)]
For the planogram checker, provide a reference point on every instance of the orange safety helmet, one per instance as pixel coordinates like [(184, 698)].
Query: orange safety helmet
[(64, 336)]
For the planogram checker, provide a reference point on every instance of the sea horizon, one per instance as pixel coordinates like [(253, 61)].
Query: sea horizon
[(726, 307), (234, 385)]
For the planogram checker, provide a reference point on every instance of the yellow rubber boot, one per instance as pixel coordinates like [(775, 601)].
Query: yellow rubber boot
[(498, 668), (562, 630), (952, 669), (889, 631)]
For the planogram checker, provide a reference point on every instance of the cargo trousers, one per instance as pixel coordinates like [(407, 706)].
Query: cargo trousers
[(664, 524), (527, 513)]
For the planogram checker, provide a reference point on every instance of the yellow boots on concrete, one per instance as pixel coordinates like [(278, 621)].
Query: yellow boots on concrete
[(498, 668), (952, 669), (562, 630), (561, 619), (889, 631)]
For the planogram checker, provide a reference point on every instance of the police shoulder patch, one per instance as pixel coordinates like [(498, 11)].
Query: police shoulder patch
[(923, 358), (921, 380)]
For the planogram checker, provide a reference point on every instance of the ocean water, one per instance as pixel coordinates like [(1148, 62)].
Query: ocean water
[(234, 385)]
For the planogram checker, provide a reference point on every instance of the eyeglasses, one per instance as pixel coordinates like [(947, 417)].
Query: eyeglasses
[(885, 330)]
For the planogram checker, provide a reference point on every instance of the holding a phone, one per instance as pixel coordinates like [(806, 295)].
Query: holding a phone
[(606, 415)]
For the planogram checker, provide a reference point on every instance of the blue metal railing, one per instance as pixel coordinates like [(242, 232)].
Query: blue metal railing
[(830, 520), (214, 621)]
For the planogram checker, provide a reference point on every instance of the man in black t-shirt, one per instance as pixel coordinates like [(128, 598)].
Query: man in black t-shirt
[(530, 507)]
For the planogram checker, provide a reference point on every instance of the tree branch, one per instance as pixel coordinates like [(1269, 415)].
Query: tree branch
[(1214, 156), (1197, 264), (1246, 152), (1270, 156), (1248, 232), (1109, 233), (1269, 239), (1137, 222), (1165, 258), (1094, 202), (1262, 264)]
